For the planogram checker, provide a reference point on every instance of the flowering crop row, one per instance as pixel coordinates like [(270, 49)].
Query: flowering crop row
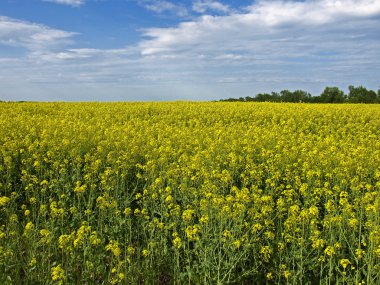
[(196, 193)]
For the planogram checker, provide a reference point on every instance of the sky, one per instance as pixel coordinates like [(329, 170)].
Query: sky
[(163, 50)]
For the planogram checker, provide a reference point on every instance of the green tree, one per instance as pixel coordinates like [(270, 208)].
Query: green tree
[(296, 96), (264, 97), (301, 96), (332, 95), (361, 95), (286, 96)]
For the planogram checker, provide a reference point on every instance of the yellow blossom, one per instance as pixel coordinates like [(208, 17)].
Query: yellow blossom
[(4, 200), (344, 262), (188, 214), (57, 274), (113, 246), (329, 251)]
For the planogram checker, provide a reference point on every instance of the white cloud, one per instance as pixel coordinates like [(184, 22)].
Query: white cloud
[(78, 55), (316, 12), (264, 21), (31, 35), (230, 56), (162, 6), (74, 3), (203, 6)]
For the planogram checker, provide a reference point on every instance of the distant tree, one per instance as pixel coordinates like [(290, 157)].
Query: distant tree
[(329, 95), (371, 97), (229, 100), (361, 95), (296, 96), (332, 95), (275, 97), (301, 96), (263, 97), (286, 96), (315, 99)]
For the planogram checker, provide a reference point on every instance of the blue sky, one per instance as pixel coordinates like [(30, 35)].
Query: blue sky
[(160, 50)]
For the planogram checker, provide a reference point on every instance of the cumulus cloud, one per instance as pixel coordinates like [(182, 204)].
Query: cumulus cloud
[(74, 3), (263, 20), (31, 35), (210, 6), (316, 12)]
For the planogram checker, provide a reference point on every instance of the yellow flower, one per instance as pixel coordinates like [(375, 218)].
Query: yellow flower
[(94, 240), (45, 236), (177, 242), (145, 252), (82, 232), (113, 246), (269, 276), (169, 199), (57, 274), (192, 232), (187, 215), (329, 251), (344, 263), (353, 222), (313, 211), (204, 219), (359, 253), (127, 211), (63, 241), (294, 210), (29, 227), (269, 235), (256, 228), (237, 244), (4, 200), (73, 210), (287, 274), (131, 250), (266, 252), (80, 188), (377, 251), (32, 262)]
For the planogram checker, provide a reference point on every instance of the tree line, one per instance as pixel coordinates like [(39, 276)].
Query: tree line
[(329, 95)]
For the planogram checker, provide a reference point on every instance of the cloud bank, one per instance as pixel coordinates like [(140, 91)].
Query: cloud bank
[(265, 20)]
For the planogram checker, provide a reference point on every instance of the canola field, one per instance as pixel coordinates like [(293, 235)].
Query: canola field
[(189, 193)]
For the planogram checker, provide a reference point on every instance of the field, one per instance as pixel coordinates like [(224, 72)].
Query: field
[(189, 193)]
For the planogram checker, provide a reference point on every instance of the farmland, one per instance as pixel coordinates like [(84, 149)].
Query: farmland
[(189, 193)]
